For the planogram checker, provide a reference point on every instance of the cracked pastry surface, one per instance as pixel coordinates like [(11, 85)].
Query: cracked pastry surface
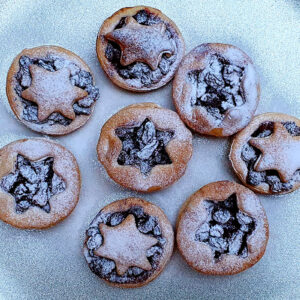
[(222, 229), (129, 242), (139, 48), (51, 90), (265, 155), (216, 89), (39, 183), (145, 147)]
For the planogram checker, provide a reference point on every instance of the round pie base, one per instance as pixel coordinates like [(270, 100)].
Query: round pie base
[(61, 204), (166, 228), (15, 101), (197, 117), (193, 213), (101, 44), (235, 156), (179, 148)]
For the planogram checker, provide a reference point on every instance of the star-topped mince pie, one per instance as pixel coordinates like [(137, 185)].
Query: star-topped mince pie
[(222, 229), (39, 183), (145, 147), (51, 90), (216, 89), (139, 48), (129, 243), (266, 154)]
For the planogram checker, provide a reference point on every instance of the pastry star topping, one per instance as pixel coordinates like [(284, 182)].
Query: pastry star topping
[(126, 245), (141, 43), (53, 92), (280, 151), (33, 183)]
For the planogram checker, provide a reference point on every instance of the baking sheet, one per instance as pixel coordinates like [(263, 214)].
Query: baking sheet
[(49, 264)]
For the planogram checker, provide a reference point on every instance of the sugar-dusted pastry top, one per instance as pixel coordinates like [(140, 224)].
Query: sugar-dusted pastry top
[(216, 89), (222, 229), (265, 155), (129, 242), (139, 48), (39, 183)]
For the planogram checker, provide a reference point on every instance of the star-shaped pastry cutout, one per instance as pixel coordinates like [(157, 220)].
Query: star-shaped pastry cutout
[(33, 183), (144, 146), (226, 228), (141, 43), (53, 92), (125, 245), (280, 152)]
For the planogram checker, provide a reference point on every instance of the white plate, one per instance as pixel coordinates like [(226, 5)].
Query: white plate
[(50, 264)]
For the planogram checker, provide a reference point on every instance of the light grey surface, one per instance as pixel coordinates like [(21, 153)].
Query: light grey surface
[(49, 264)]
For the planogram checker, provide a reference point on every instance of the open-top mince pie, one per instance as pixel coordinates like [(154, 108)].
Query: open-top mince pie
[(51, 90), (216, 89), (39, 183), (145, 147), (139, 48), (222, 229), (266, 154), (129, 243)]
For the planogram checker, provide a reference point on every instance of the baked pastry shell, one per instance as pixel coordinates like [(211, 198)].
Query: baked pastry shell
[(179, 148), (15, 101), (197, 117), (62, 204), (165, 226), (101, 44), (193, 213), (235, 156)]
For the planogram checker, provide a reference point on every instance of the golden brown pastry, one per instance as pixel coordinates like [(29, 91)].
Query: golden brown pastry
[(216, 89), (266, 154), (129, 243), (139, 48), (39, 183), (51, 90), (145, 147), (222, 229)]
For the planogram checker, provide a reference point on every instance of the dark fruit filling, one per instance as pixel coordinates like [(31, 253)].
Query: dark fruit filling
[(33, 183), (106, 268), (144, 146), (218, 87), (139, 71), (79, 78), (226, 228), (250, 155)]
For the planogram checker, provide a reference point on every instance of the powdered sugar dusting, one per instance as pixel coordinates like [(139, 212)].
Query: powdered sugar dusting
[(268, 32), (201, 228), (64, 165), (216, 87)]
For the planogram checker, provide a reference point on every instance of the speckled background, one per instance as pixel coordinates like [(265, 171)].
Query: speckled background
[(49, 264)]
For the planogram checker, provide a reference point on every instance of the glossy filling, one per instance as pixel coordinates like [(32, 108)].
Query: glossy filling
[(217, 88), (106, 268), (144, 146), (226, 228), (33, 183), (139, 71), (251, 154), (79, 78)]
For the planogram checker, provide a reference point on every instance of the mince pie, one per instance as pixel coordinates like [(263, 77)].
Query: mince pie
[(51, 90), (222, 229), (216, 89), (145, 147), (39, 183), (139, 48), (266, 154), (129, 243)]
